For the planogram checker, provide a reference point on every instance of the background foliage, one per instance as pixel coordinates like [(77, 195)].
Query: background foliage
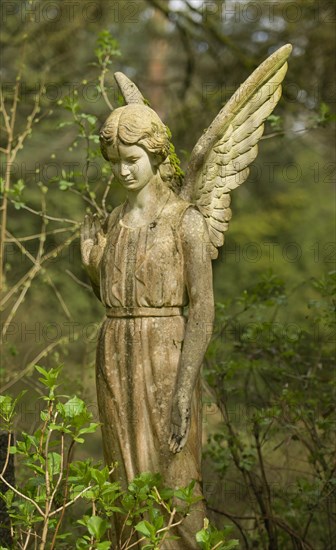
[(269, 368)]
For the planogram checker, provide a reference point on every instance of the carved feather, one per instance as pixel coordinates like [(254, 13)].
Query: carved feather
[(220, 159), (128, 89)]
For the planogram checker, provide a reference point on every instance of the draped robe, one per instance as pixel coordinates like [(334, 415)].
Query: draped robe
[(142, 280)]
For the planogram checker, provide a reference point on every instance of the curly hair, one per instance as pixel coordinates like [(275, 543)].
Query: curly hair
[(135, 124)]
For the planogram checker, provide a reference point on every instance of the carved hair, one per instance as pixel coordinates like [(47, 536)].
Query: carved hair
[(135, 125)]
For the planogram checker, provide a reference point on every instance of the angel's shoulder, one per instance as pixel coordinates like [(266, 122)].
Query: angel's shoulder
[(193, 227), (192, 217), (176, 209)]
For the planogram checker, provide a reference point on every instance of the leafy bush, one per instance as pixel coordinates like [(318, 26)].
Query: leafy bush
[(51, 482), (274, 383)]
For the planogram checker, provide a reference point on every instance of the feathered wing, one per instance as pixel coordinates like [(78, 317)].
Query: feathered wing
[(129, 90), (219, 161)]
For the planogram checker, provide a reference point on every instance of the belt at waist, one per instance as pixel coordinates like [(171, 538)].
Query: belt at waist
[(143, 311)]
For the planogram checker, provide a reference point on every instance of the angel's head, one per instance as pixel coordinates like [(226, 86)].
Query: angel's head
[(137, 125)]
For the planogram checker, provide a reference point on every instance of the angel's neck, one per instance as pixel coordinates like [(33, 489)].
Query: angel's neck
[(148, 197)]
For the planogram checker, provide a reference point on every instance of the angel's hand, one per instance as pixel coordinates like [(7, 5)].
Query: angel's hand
[(180, 424), (92, 239)]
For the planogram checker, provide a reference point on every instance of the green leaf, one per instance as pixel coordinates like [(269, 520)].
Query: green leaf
[(275, 122), (64, 185), (35, 468), (19, 187), (8, 497), (8, 405), (166, 493), (83, 543), (90, 429), (18, 204), (203, 537), (324, 116), (74, 407), (54, 463), (94, 138), (209, 537), (145, 528), (41, 370), (186, 494), (97, 527), (49, 376), (44, 415), (90, 118), (107, 47), (229, 545), (65, 123)]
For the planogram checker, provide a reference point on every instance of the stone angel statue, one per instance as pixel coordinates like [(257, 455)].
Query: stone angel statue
[(149, 260)]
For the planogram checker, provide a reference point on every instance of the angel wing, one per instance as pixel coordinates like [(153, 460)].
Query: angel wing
[(220, 159), (128, 89)]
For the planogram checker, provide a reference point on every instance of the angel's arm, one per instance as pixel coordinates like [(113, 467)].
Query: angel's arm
[(198, 272)]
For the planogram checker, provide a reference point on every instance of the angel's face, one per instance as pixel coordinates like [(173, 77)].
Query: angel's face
[(132, 166)]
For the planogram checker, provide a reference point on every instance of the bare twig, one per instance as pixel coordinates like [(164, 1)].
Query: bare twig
[(78, 281), (11, 153), (12, 238), (70, 502), (51, 218), (17, 492), (106, 192), (66, 488), (7, 454), (102, 82), (52, 254), (32, 363), (25, 546)]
